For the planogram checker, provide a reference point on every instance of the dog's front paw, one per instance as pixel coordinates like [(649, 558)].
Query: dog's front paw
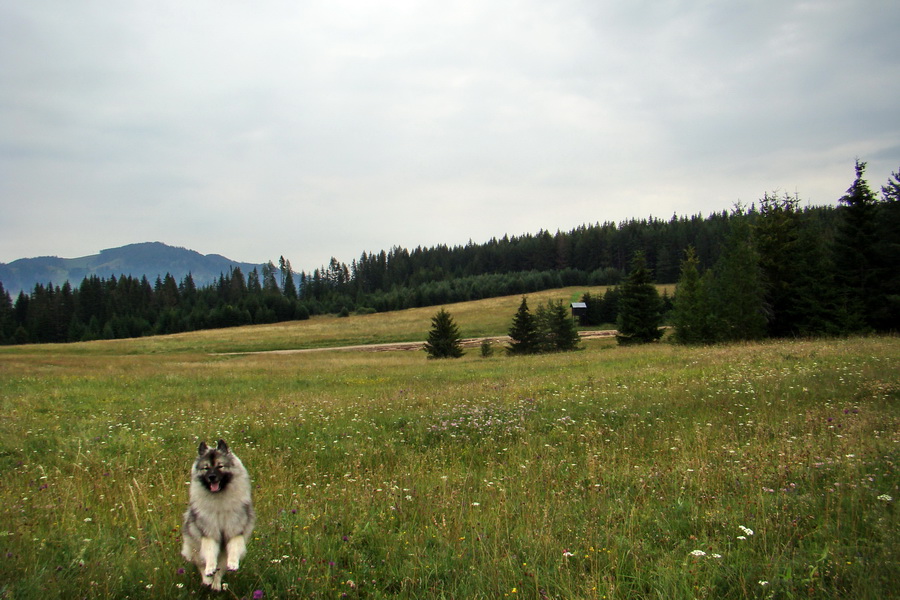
[(210, 570), (233, 564)]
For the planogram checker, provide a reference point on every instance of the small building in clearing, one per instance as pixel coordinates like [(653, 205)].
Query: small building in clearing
[(579, 309)]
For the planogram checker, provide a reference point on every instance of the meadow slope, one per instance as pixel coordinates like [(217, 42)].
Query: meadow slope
[(760, 470)]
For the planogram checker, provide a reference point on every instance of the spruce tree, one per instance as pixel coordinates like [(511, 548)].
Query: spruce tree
[(886, 315), (7, 317), (524, 331), (691, 317), (544, 335), (855, 258), (640, 315), (736, 293), (561, 331), (443, 339), (776, 235), (592, 312), (609, 312), (287, 279)]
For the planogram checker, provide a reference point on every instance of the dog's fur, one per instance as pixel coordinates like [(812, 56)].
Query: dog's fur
[(220, 516)]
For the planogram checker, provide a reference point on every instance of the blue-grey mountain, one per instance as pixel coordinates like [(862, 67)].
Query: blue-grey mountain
[(150, 259)]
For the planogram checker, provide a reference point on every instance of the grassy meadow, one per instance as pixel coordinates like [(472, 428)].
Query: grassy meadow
[(748, 471)]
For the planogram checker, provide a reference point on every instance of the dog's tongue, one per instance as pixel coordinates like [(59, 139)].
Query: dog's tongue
[(214, 486)]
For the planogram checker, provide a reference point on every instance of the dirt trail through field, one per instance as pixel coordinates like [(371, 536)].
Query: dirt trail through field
[(394, 346)]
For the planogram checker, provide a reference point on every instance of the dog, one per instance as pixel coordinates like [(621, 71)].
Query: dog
[(220, 516)]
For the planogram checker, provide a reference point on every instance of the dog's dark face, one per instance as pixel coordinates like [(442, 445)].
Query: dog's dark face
[(213, 467)]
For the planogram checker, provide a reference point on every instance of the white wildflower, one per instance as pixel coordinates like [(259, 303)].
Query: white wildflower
[(698, 553), (885, 498)]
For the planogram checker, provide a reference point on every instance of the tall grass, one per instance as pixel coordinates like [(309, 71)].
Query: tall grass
[(761, 470)]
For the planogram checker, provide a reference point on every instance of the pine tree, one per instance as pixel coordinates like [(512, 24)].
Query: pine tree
[(593, 311), (736, 293), (609, 312), (562, 335), (776, 235), (7, 317), (691, 318), (290, 290), (254, 287), (816, 305), (287, 279), (524, 332), (890, 193), (886, 316), (639, 306), (443, 339), (855, 258), (269, 283)]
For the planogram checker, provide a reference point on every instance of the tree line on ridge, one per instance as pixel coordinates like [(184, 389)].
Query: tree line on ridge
[(776, 269)]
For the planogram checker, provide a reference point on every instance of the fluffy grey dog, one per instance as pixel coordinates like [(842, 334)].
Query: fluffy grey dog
[(220, 515)]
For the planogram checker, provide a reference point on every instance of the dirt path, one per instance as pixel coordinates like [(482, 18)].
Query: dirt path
[(395, 346)]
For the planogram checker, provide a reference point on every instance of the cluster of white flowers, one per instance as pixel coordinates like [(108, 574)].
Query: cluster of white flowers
[(885, 498), (698, 553)]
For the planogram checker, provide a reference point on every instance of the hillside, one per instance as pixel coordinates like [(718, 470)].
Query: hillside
[(152, 259)]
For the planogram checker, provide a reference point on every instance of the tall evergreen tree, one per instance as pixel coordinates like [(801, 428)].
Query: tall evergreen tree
[(7, 317), (166, 292), (443, 339), (523, 332), (886, 316), (289, 289), (736, 293), (855, 257), (593, 309), (640, 315), (269, 282), (254, 287), (691, 317), (776, 234), (610, 310), (816, 304)]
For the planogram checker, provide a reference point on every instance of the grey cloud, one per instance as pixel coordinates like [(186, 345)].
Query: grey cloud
[(328, 128)]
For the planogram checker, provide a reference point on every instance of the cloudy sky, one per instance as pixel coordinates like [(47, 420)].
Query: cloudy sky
[(313, 129)]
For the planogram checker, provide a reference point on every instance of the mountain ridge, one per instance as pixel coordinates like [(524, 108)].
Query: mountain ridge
[(142, 259)]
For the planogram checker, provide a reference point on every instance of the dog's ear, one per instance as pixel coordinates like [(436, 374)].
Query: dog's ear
[(222, 447), (203, 448)]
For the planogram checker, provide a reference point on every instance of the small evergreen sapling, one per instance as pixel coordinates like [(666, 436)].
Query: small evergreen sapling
[(443, 339), (524, 332), (640, 307)]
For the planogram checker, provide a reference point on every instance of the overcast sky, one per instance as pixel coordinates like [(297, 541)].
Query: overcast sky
[(313, 129)]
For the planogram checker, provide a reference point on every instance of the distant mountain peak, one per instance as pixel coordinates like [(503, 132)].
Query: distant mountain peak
[(150, 259)]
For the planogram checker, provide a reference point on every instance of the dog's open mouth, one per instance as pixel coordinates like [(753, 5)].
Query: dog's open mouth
[(214, 486)]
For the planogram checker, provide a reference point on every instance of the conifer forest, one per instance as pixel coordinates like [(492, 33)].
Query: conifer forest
[(774, 269)]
